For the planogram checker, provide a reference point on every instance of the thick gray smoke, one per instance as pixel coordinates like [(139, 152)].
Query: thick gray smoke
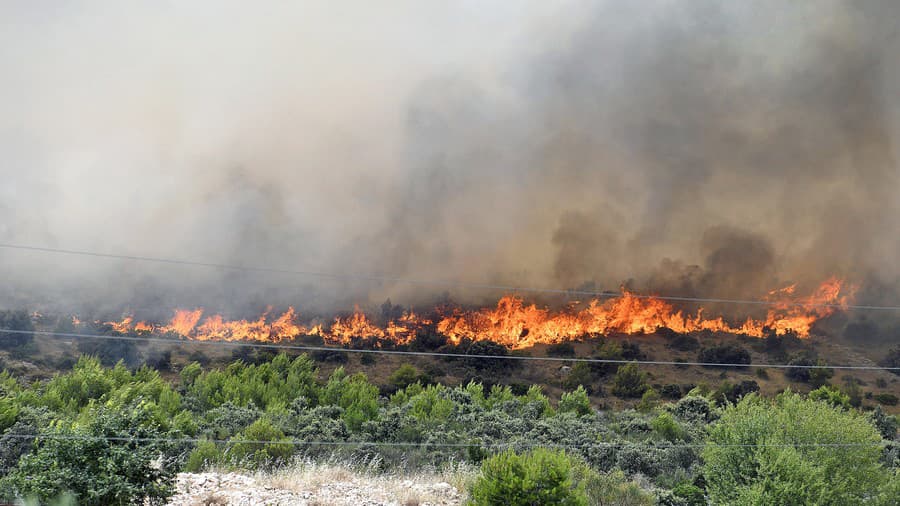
[(700, 147)]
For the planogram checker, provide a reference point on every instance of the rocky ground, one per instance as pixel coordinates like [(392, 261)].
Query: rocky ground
[(316, 487)]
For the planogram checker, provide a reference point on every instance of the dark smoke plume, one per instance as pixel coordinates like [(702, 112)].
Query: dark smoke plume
[(703, 148)]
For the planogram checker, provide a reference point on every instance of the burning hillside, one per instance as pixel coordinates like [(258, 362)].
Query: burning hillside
[(513, 322)]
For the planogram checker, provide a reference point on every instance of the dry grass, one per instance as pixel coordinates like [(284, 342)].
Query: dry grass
[(408, 489)]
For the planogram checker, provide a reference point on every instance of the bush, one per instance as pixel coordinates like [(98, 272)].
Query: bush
[(111, 351), (564, 349), (248, 449), (815, 376), (330, 356), (94, 469), (629, 382), (612, 488), (541, 476), (18, 321), (832, 396), (690, 494), (670, 391), (886, 399), (788, 468), (683, 342), (666, 427), (575, 402), (404, 376), (205, 454), (724, 354), (892, 360), (489, 349), (579, 375)]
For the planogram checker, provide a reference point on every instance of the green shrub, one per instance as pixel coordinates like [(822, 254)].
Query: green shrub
[(830, 395), (576, 402), (689, 494), (96, 470), (404, 376), (205, 454), (249, 448), (667, 427), (612, 488), (648, 401), (629, 382), (579, 375), (541, 476), (763, 452)]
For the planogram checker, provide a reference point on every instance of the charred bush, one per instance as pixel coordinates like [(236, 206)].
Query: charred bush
[(110, 351), (632, 351), (682, 342), (161, 360), (670, 391), (724, 354), (330, 356), (427, 340), (564, 349), (892, 360), (18, 326)]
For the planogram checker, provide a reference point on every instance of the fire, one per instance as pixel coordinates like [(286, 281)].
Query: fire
[(512, 322)]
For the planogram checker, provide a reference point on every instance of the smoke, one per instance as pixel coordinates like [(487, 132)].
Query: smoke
[(683, 147)]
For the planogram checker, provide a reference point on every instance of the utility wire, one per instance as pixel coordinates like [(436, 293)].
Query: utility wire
[(436, 282), (253, 344), (127, 439)]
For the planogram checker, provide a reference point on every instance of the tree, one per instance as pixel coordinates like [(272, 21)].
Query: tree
[(765, 452), (629, 382)]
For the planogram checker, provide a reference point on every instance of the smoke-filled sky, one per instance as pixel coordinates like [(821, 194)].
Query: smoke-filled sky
[(691, 147)]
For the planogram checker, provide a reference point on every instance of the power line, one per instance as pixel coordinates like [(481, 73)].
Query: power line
[(254, 344), (297, 442), (437, 282)]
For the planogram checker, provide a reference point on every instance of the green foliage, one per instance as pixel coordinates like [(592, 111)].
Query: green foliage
[(667, 427), (540, 476), (689, 494), (357, 397), (78, 459), (832, 396), (576, 402), (763, 452), (579, 375), (252, 447), (629, 382), (205, 454), (404, 376), (277, 382), (613, 488), (649, 401)]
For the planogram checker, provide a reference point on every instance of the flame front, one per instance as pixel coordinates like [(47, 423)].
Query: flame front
[(514, 323)]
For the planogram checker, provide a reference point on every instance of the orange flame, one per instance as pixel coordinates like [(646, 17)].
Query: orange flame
[(516, 324)]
